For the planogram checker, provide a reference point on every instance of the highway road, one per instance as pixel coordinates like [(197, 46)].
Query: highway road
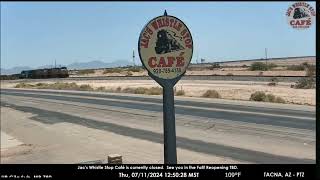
[(208, 130)]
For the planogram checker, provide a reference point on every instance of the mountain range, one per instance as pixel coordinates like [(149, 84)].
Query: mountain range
[(77, 65)]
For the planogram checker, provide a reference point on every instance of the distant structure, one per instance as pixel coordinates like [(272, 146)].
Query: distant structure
[(203, 60), (133, 56), (266, 53)]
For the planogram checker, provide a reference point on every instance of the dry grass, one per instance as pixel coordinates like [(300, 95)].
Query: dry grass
[(113, 70), (180, 93), (263, 97), (85, 71), (211, 94)]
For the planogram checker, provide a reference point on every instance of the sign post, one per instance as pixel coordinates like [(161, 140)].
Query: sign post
[(165, 50)]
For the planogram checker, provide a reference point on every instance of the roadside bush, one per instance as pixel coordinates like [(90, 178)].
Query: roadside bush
[(263, 97), (261, 73), (305, 83), (214, 66), (135, 69), (140, 90), (311, 70), (260, 66), (280, 100), (154, 91), (128, 90), (113, 70), (180, 93), (211, 94), (296, 67), (270, 98), (271, 66), (23, 85), (101, 88), (85, 87), (258, 96), (272, 84), (129, 73), (118, 89), (85, 71)]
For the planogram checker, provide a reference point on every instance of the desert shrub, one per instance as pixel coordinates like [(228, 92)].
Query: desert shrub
[(135, 69), (258, 66), (260, 73), (211, 94), (229, 74), (140, 90), (272, 84), (66, 86), (310, 70), (263, 97), (128, 90), (214, 66), (85, 87), (271, 66), (270, 98), (296, 67), (129, 73), (24, 85), (85, 71), (258, 96), (244, 66), (180, 93), (279, 100), (101, 88), (118, 89), (113, 70), (42, 85), (305, 83), (154, 91)]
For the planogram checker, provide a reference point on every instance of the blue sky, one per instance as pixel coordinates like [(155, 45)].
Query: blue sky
[(35, 33)]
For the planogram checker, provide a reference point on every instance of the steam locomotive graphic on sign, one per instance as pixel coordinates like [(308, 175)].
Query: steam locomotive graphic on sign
[(300, 13), (167, 42)]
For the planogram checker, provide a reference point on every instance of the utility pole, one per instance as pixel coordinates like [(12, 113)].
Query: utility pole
[(55, 63), (133, 56), (266, 54)]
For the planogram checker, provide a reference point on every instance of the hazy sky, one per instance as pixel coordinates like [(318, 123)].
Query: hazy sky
[(36, 33)]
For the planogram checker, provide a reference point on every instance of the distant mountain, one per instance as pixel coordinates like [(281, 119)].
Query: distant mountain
[(98, 64), (14, 70), (82, 65)]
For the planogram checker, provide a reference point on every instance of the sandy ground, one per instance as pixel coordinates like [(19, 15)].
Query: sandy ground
[(234, 90), (72, 143), (61, 137), (223, 71)]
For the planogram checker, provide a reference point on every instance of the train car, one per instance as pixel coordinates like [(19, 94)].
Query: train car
[(45, 73)]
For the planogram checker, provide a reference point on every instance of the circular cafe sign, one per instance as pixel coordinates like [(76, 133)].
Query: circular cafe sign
[(300, 15), (165, 47)]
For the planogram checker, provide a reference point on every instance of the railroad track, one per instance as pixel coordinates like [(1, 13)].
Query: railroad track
[(187, 77)]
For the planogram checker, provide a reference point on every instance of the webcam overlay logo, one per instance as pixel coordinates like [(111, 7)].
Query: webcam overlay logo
[(300, 15)]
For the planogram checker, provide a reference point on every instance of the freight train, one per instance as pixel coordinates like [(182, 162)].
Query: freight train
[(61, 72)]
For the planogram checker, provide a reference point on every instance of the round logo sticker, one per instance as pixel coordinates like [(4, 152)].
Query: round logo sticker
[(165, 47), (300, 15)]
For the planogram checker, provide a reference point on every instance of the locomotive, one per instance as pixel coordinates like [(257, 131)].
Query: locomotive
[(166, 42), (45, 73)]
